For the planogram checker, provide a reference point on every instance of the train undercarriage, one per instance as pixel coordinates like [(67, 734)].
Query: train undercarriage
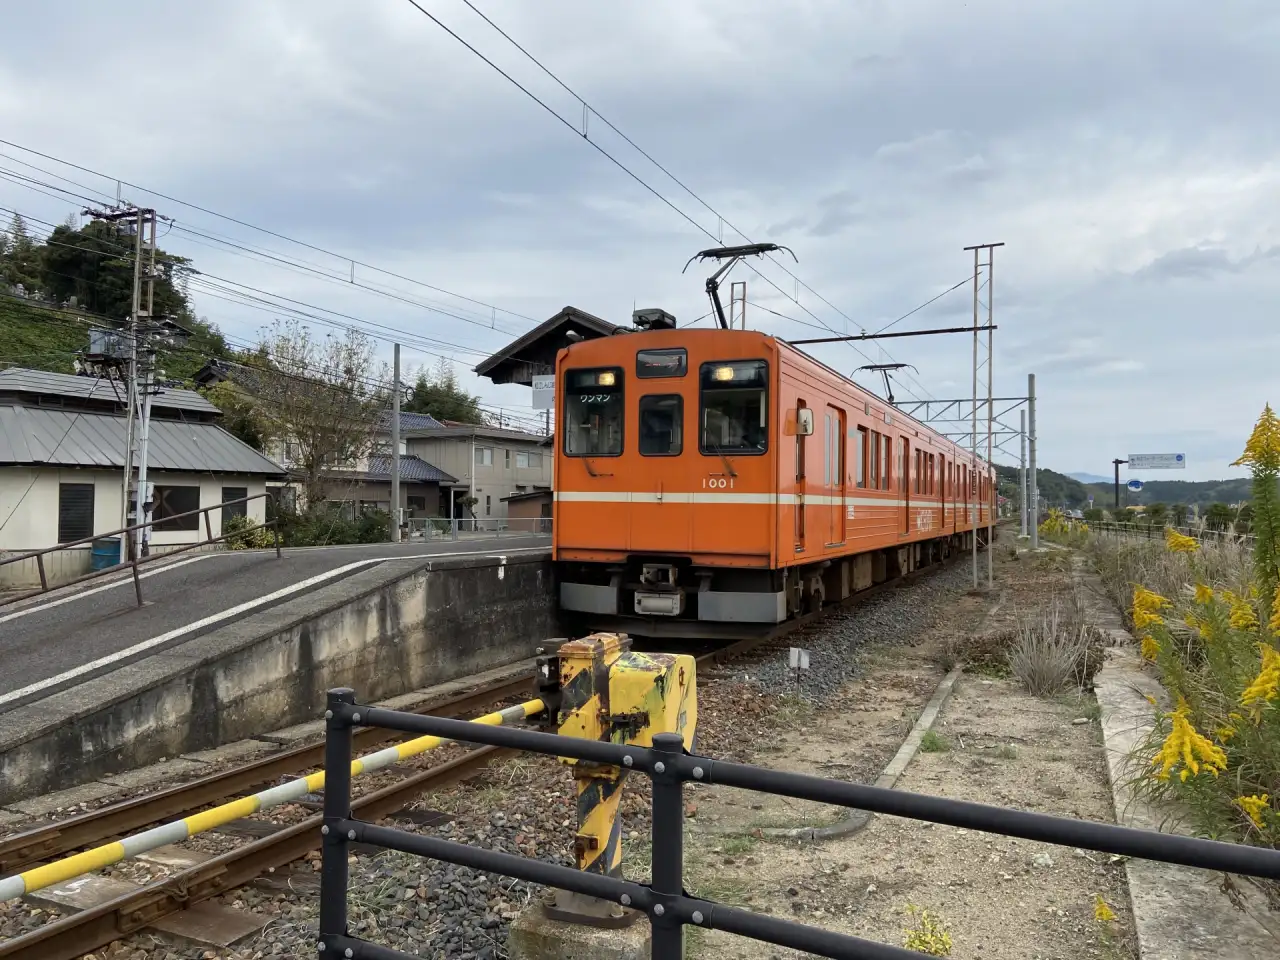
[(651, 595)]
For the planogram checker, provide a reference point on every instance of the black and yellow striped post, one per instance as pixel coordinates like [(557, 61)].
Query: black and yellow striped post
[(607, 692)]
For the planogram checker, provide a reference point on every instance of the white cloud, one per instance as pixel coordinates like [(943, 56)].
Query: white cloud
[(1127, 161)]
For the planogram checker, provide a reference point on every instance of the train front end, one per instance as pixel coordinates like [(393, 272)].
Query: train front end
[(665, 482)]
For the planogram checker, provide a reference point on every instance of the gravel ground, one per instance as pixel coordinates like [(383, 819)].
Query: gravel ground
[(525, 806)]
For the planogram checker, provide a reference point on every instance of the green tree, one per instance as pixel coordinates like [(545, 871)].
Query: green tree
[(20, 263), (1218, 516), (1157, 512), (1093, 515), (439, 394), (1179, 512), (240, 414)]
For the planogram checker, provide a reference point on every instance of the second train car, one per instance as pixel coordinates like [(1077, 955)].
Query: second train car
[(716, 482)]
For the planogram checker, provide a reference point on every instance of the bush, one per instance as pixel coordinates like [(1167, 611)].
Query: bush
[(1208, 618), (241, 537), (325, 526), (1056, 648)]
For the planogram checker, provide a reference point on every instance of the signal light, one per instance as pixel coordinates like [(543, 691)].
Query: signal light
[(723, 373), (606, 379)]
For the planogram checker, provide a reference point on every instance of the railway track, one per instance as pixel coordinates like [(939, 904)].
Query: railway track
[(77, 934)]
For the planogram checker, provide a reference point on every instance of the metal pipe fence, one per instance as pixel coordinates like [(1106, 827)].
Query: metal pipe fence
[(272, 523), (1152, 531), (443, 528), (663, 900)]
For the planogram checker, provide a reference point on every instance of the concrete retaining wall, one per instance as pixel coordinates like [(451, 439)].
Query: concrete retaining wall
[(392, 628)]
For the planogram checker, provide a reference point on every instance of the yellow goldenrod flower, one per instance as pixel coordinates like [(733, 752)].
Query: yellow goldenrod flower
[(1144, 599), (1243, 616), (1149, 698), (1255, 806), (1102, 912), (1265, 685), (1275, 613), (1150, 649), (1263, 448), (1204, 594), (1179, 543), (1225, 733), (1187, 746)]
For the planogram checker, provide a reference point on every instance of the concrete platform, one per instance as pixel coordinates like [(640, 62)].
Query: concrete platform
[(387, 628)]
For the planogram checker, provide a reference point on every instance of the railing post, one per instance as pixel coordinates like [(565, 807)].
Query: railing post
[(668, 846), (337, 809), (44, 581), (137, 584), (208, 527)]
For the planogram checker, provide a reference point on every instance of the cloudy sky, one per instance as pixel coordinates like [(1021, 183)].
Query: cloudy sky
[(1125, 153)]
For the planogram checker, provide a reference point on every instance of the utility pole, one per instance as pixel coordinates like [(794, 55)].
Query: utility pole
[(978, 266), (1033, 519), (141, 365), (1022, 472), (395, 446), (1116, 464)]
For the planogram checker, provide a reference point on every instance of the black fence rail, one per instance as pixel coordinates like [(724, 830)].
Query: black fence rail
[(663, 900), (1155, 531), (272, 523)]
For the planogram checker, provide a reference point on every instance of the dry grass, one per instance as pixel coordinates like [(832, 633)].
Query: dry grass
[(1056, 648)]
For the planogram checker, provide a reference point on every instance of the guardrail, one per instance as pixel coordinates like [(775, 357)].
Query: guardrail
[(134, 562), (663, 900), (442, 528), (1153, 531)]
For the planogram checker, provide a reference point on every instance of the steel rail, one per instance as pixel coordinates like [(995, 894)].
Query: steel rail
[(84, 932), (53, 840)]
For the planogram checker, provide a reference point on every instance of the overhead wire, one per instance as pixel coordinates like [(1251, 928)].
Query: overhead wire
[(589, 110)]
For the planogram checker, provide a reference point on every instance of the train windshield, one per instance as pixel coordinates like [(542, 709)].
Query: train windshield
[(593, 412), (734, 407)]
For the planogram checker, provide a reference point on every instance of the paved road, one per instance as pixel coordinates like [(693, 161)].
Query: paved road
[(51, 644)]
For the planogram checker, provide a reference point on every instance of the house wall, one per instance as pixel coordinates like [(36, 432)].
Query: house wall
[(454, 455), (529, 508), (33, 524)]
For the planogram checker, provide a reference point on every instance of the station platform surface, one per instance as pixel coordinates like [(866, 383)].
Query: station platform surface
[(50, 643)]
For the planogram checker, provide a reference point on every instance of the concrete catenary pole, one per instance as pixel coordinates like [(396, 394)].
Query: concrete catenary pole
[(1022, 472), (145, 366), (973, 428), (991, 362), (1034, 496), (126, 487), (395, 446)]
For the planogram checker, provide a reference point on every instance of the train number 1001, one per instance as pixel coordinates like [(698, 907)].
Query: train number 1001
[(717, 483)]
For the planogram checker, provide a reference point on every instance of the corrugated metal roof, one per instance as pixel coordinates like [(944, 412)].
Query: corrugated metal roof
[(411, 421), (40, 435), (411, 468), (21, 380)]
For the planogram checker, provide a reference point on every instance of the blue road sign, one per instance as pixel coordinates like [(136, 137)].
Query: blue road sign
[(1135, 485)]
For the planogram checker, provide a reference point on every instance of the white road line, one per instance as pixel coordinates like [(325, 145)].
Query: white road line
[(109, 586), (224, 615)]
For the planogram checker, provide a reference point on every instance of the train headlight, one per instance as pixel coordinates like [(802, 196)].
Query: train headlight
[(723, 373), (606, 379)]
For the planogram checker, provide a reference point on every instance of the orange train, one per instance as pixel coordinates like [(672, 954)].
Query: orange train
[(711, 482)]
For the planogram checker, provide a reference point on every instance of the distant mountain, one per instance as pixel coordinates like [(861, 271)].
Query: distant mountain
[(1090, 478), (1057, 488), (1199, 493)]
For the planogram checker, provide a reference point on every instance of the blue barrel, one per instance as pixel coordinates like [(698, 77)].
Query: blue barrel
[(105, 553)]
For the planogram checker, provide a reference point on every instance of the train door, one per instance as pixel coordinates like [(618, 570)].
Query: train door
[(833, 475), (904, 482), (799, 508), (940, 491)]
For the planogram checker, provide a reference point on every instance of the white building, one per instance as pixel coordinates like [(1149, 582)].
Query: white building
[(62, 449)]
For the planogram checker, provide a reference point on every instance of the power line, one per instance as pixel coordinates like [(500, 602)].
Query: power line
[(584, 134), (266, 231)]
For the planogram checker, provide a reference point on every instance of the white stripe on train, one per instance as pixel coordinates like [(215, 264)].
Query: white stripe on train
[(813, 500)]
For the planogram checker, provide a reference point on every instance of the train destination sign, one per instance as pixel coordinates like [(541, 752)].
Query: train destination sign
[(544, 393), (1157, 461)]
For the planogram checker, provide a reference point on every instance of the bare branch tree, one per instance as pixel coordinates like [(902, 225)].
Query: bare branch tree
[(325, 395)]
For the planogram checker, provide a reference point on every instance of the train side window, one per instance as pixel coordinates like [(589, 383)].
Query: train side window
[(651, 364), (875, 460), (860, 459), (594, 407), (735, 409), (662, 425)]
